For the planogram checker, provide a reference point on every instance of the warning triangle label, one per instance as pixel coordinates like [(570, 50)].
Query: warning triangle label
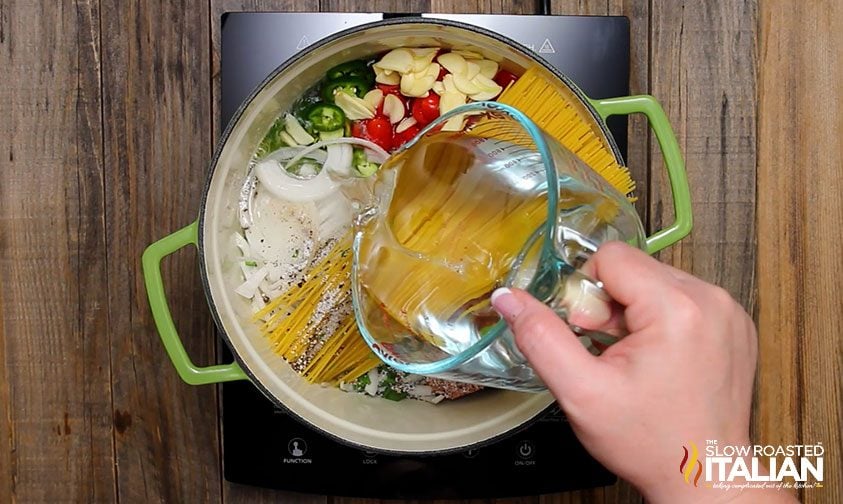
[(547, 47), (304, 42)]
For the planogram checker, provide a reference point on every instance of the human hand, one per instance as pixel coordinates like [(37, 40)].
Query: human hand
[(683, 373)]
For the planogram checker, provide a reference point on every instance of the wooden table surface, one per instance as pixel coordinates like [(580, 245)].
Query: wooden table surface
[(108, 113)]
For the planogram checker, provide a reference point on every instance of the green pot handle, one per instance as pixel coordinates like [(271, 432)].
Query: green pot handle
[(188, 371), (647, 105)]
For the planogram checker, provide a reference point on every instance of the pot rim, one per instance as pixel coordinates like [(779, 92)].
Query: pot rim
[(214, 164)]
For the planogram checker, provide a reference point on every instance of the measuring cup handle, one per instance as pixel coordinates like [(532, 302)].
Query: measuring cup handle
[(659, 123), (188, 371)]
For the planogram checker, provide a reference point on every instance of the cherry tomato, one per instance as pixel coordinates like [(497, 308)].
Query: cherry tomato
[(389, 89), (406, 135), (503, 78), (442, 73), (426, 109), (377, 130)]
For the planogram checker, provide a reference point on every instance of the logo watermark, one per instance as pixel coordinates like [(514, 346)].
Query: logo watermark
[(752, 466)]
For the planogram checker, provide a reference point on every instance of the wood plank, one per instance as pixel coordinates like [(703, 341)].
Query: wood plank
[(156, 74), (54, 357), (402, 6), (800, 297), (703, 72), (703, 62), (485, 7)]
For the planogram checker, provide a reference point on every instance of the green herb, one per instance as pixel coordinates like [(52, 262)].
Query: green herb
[(388, 381), (394, 395), (251, 263), (295, 253), (272, 141), (361, 382)]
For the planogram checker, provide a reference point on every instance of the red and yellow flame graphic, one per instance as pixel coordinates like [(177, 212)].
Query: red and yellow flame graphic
[(686, 467)]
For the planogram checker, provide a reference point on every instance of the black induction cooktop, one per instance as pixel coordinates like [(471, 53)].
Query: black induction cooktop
[(262, 444)]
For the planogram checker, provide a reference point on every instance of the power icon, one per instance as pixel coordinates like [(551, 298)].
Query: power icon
[(526, 449)]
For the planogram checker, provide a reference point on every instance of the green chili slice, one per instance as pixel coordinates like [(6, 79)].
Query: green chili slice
[(352, 85), (326, 117)]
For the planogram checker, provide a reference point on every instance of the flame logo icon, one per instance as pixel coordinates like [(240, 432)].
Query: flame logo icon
[(686, 467)]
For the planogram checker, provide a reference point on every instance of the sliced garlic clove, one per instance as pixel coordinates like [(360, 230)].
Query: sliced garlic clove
[(399, 60), (468, 54), (390, 79), (438, 88), (393, 108), (472, 69), (374, 98), (355, 108), (483, 96), (452, 62), (424, 52), (383, 76), (454, 124), (448, 84), (416, 85), (422, 58), (464, 85), (450, 101), (488, 68), (404, 124), (295, 129), (486, 84)]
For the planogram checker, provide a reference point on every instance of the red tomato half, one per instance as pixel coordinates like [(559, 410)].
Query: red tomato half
[(503, 78), (389, 89), (377, 130), (426, 109), (406, 135)]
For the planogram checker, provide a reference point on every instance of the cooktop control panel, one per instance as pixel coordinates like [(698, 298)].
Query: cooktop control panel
[(264, 446)]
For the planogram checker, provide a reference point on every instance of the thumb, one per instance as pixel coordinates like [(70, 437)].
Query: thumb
[(553, 350)]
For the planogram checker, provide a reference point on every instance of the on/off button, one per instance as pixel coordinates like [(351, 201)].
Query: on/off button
[(525, 449)]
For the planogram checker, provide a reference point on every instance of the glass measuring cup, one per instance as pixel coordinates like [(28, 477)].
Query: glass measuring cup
[(456, 214)]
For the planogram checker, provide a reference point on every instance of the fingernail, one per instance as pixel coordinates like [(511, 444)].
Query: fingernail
[(506, 303)]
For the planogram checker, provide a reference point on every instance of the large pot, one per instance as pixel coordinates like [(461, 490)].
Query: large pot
[(372, 423)]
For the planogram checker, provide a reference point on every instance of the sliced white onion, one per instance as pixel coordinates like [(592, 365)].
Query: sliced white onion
[(248, 288), (286, 153), (242, 244), (258, 303), (339, 159), (335, 214), (284, 186), (381, 154), (374, 379)]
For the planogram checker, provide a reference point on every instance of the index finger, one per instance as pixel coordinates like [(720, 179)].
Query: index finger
[(630, 276)]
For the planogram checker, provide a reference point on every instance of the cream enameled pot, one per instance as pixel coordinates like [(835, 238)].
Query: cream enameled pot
[(372, 423)]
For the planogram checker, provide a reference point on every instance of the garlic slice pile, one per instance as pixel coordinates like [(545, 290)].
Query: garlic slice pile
[(470, 76)]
